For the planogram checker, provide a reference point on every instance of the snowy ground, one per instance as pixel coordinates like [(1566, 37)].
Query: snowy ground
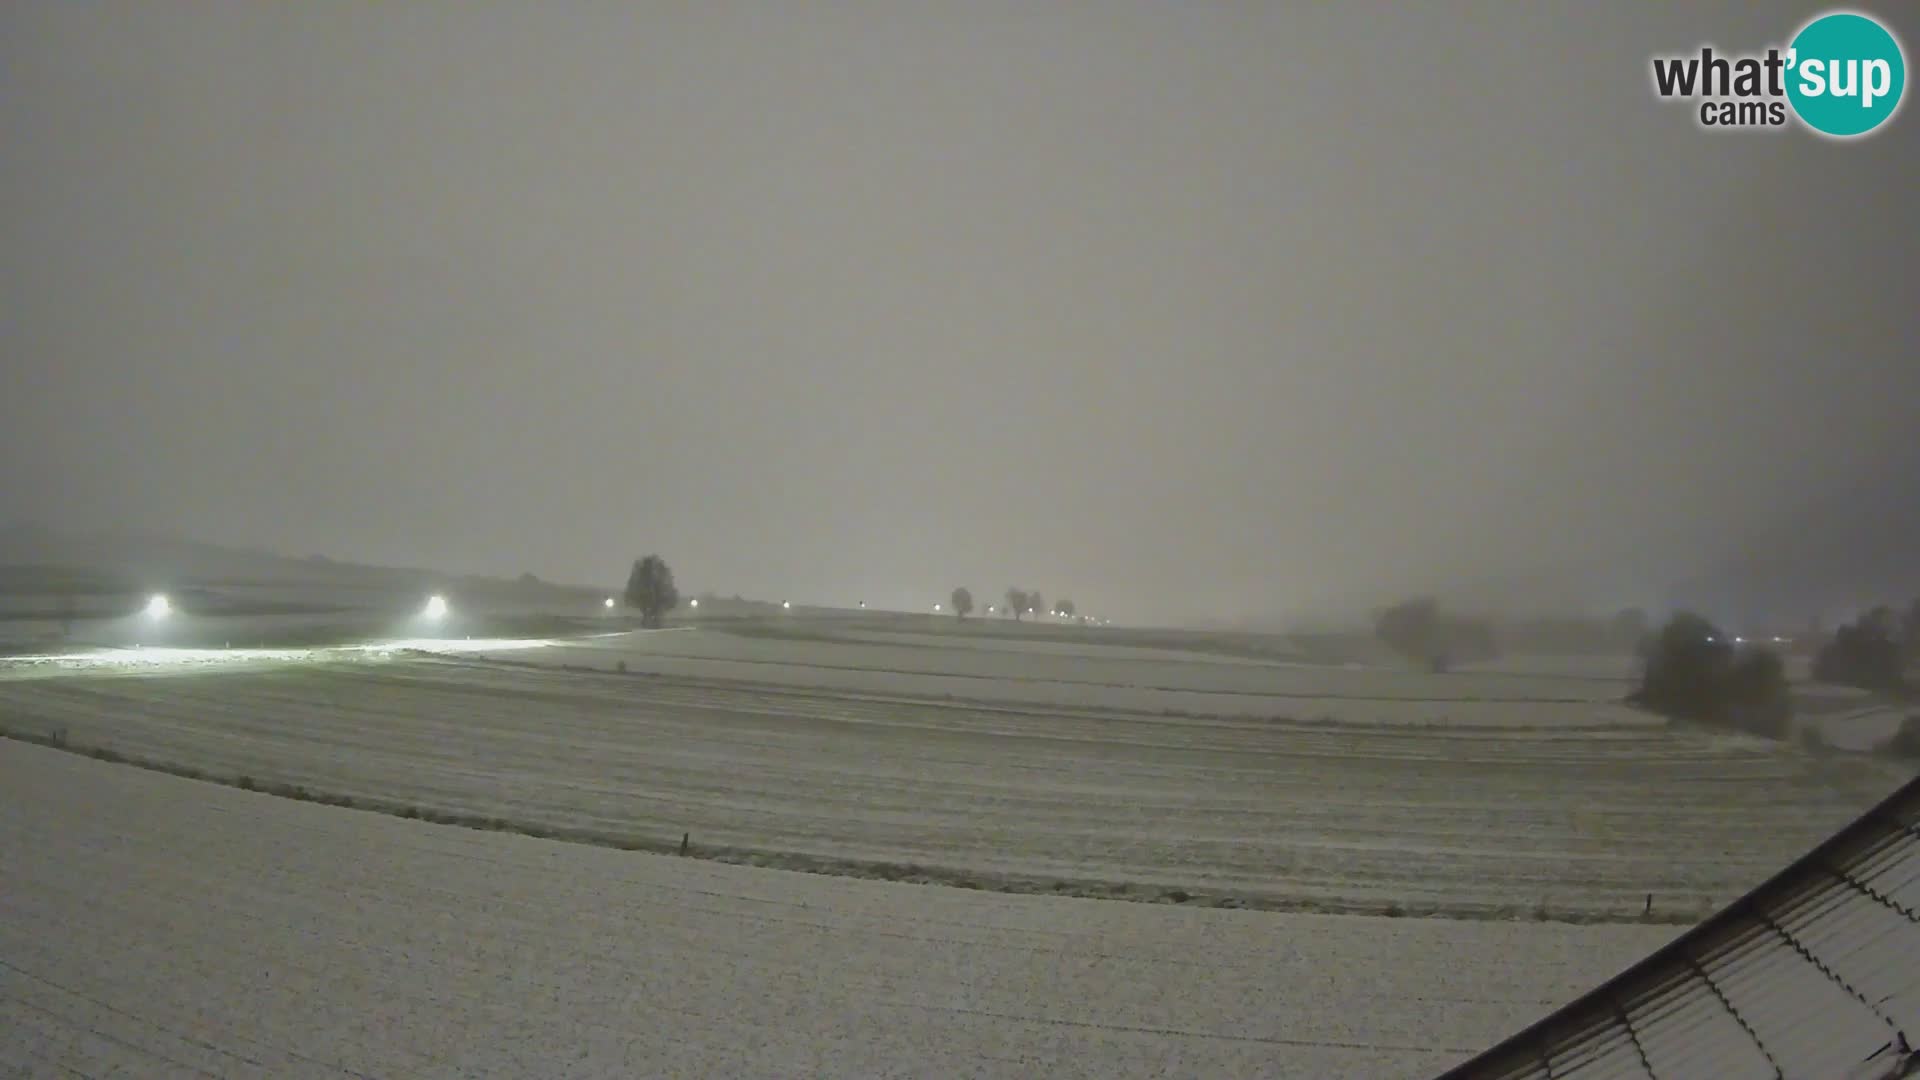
[(966, 664), (1483, 808), (156, 926)]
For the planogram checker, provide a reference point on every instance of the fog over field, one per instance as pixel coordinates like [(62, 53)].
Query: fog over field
[(1217, 314)]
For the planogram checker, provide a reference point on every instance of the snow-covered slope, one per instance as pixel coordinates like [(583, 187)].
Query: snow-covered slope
[(155, 926)]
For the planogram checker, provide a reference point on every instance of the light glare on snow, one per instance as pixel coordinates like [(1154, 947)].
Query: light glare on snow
[(182, 657)]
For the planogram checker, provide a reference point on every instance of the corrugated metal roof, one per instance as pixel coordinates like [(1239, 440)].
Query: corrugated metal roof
[(1815, 975)]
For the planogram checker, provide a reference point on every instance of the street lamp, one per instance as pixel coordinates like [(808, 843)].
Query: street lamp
[(158, 607)]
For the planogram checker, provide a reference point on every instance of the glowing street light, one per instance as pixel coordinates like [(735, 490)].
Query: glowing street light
[(786, 605), (609, 602), (436, 607), (936, 607), (693, 603), (158, 607)]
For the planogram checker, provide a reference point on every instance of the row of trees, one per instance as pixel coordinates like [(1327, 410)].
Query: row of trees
[(1696, 671), (650, 589), (1019, 602), (1030, 602)]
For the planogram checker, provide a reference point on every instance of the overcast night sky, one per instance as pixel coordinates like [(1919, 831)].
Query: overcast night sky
[(1185, 311)]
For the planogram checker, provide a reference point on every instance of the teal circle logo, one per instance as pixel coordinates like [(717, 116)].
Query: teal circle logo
[(1846, 74)]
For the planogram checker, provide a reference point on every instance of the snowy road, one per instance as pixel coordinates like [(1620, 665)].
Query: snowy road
[(156, 926)]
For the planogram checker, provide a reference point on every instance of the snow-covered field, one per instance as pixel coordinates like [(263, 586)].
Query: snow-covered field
[(966, 666), (156, 926), (1026, 770)]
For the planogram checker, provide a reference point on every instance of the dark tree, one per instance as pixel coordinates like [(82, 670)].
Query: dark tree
[(1417, 630), (1756, 694), (1017, 602), (1066, 608), (650, 588), (1910, 630), (962, 601), (1411, 628), (1694, 672), (1865, 653), (1686, 669)]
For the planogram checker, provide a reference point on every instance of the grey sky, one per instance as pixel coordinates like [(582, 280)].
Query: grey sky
[(1180, 310)]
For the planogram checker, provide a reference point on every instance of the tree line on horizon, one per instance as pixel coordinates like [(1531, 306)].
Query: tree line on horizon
[(651, 591)]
